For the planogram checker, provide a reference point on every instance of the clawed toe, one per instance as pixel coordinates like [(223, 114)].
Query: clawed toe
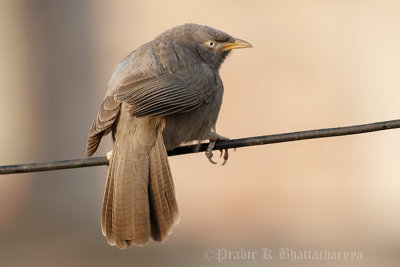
[(209, 155), (214, 137), (224, 153), (226, 156)]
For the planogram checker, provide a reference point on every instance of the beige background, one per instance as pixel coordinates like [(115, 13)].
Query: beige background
[(314, 64)]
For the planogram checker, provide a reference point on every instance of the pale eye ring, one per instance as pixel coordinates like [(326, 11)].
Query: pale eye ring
[(210, 43)]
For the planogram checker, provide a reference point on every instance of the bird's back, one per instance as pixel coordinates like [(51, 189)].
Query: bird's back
[(160, 57)]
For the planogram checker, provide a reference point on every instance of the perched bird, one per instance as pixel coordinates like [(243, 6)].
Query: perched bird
[(165, 93)]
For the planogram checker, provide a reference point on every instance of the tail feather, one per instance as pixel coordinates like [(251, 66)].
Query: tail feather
[(106, 218), (162, 194), (139, 199), (125, 216), (130, 211)]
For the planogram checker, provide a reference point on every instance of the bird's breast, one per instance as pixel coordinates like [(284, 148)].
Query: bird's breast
[(193, 125)]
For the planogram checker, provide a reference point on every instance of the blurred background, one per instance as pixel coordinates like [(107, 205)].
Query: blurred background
[(314, 64)]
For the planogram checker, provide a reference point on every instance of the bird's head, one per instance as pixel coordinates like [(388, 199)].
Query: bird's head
[(210, 45)]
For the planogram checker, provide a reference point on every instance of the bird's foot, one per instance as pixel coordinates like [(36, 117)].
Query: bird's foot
[(214, 137)]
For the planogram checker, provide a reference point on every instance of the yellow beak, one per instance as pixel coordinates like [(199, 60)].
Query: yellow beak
[(238, 43)]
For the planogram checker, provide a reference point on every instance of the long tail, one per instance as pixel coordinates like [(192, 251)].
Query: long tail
[(139, 199), (164, 212)]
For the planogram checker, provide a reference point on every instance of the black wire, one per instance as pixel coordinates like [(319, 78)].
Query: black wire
[(234, 143)]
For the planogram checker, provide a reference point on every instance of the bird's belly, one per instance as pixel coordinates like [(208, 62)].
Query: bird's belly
[(190, 126)]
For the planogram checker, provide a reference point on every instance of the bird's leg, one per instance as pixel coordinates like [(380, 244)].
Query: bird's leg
[(214, 137)]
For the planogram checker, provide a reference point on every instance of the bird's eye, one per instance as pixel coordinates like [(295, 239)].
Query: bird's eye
[(210, 44)]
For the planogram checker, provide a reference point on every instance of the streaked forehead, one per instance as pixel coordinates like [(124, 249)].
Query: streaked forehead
[(198, 32), (218, 35)]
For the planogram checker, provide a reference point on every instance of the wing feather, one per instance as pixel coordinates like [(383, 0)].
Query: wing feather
[(102, 125), (161, 95)]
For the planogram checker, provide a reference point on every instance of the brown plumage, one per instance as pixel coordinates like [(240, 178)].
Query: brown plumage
[(165, 93)]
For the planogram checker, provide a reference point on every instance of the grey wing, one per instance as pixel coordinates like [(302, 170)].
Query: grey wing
[(162, 95)]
